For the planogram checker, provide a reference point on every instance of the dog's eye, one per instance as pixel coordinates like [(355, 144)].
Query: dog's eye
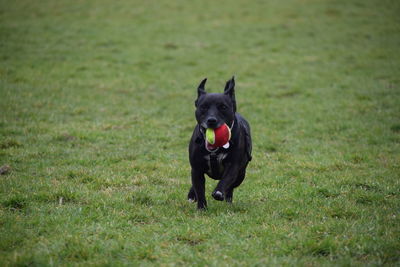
[(203, 107), (222, 107)]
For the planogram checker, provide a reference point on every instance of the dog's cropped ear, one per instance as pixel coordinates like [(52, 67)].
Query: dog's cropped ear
[(201, 90), (230, 90), (230, 87)]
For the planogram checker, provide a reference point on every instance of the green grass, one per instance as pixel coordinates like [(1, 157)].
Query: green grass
[(97, 111)]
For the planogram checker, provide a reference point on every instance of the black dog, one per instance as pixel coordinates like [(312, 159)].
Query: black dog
[(225, 164)]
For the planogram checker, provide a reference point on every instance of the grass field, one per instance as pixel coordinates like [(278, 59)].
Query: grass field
[(97, 109)]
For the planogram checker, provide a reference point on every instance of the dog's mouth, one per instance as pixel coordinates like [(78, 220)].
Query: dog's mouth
[(213, 140), (203, 130), (204, 126)]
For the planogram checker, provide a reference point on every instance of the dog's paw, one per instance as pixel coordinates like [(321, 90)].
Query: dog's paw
[(191, 196), (228, 197), (217, 195)]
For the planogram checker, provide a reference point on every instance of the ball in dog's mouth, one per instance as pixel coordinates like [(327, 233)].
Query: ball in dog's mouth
[(219, 136)]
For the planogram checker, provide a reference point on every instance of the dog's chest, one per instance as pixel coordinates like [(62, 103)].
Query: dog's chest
[(215, 166)]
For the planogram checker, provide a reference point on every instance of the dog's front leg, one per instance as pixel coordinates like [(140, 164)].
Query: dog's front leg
[(198, 182), (228, 178)]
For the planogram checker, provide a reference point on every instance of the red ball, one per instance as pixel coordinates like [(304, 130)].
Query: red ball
[(218, 137)]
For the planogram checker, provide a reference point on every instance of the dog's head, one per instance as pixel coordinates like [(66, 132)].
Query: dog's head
[(215, 109)]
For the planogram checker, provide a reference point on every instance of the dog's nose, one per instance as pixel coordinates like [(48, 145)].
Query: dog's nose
[(211, 121)]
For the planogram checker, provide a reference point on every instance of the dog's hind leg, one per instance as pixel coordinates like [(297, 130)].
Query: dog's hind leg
[(239, 178), (229, 195), (238, 181), (192, 195)]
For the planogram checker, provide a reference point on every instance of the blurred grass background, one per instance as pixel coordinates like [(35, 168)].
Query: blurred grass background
[(97, 111)]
